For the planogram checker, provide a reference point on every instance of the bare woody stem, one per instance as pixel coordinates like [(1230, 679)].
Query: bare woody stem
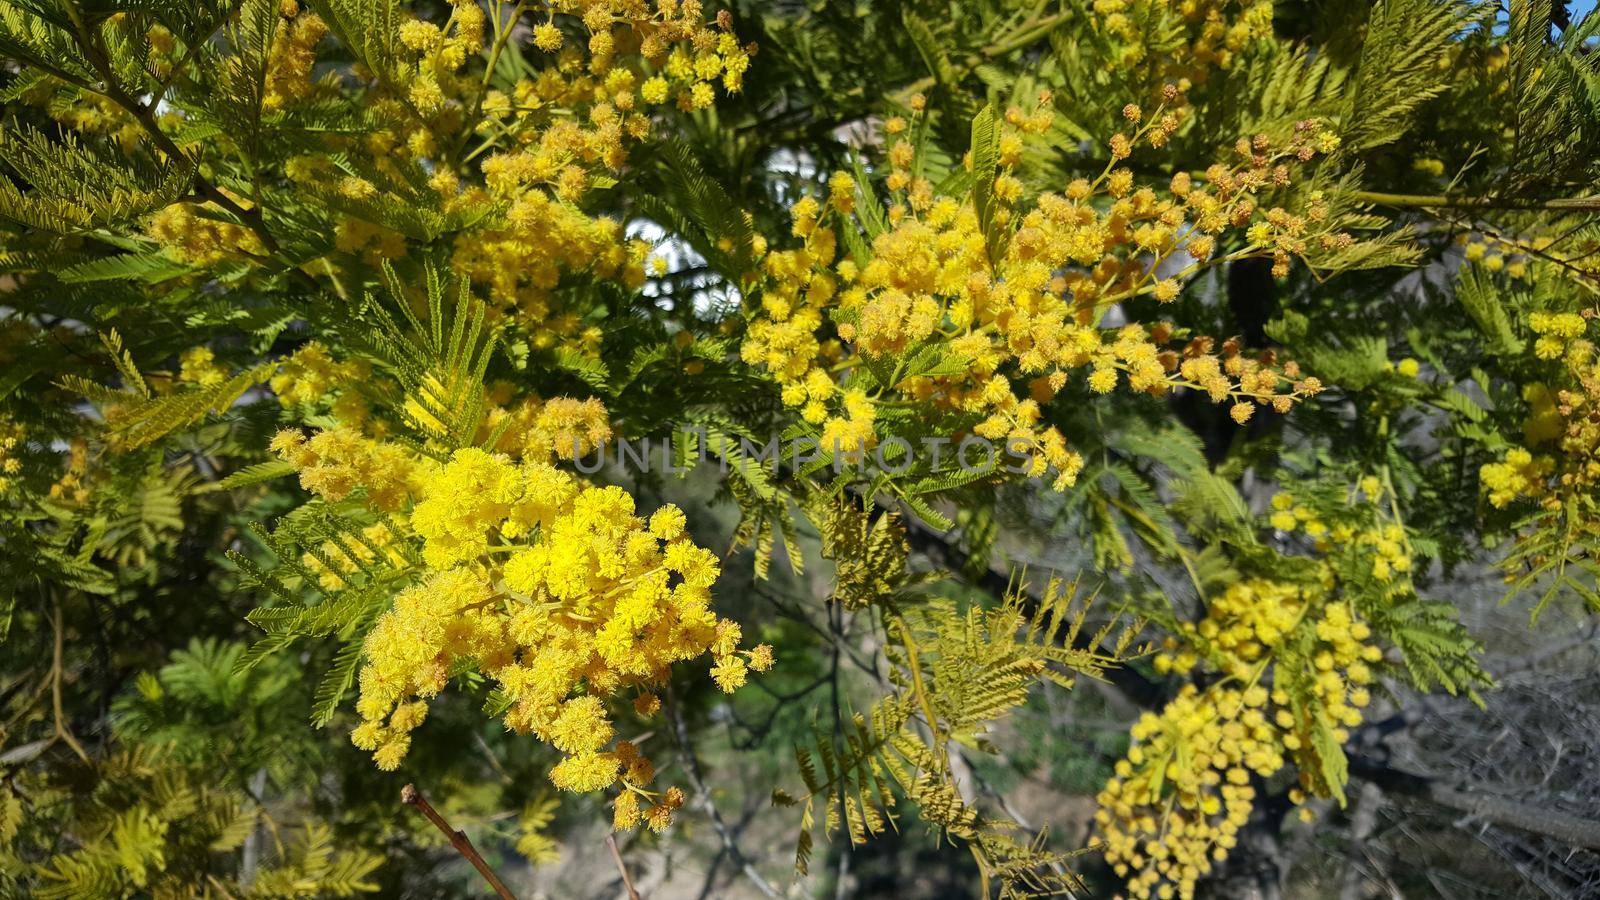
[(611, 844), (410, 796), (1481, 804)]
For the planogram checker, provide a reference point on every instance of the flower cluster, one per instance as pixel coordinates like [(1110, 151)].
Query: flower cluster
[(1293, 667), (562, 132), (545, 431), (1560, 419), (1382, 545), (1519, 475), (199, 366), (93, 113), (311, 374), (76, 483), (1209, 34), (288, 77), (10, 463), (551, 587), (1497, 254), (336, 462), (547, 585), (201, 240), (1013, 297), (1557, 332), (1166, 822), (506, 167)]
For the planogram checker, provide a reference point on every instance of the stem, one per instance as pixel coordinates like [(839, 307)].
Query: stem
[(62, 731), (1473, 801), (410, 796), (219, 886), (251, 217), (611, 844), (504, 25), (1026, 34), (1582, 276), (1457, 202), (691, 765), (918, 687)]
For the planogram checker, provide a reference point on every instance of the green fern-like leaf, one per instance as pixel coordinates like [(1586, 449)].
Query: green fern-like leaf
[(68, 186), (1399, 66)]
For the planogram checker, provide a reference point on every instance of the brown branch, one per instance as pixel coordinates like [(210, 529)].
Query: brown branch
[(1492, 808), (611, 844), (410, 796)]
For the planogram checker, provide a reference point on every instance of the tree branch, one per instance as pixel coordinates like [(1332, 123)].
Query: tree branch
[(410, 796), (63, 732), (1493, 808), (144, 113), (611, 844)]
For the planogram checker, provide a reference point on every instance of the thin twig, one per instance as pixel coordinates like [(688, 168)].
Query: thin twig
[(410, 796), (611, 844), (691, 765), (62, 731), (836, 640)]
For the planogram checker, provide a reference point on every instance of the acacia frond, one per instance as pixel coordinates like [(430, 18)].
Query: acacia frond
[(1399, 66), (69, 185), (958, 672)]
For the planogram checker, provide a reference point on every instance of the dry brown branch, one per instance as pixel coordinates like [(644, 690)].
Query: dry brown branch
[(410, 796), (611, 844)]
